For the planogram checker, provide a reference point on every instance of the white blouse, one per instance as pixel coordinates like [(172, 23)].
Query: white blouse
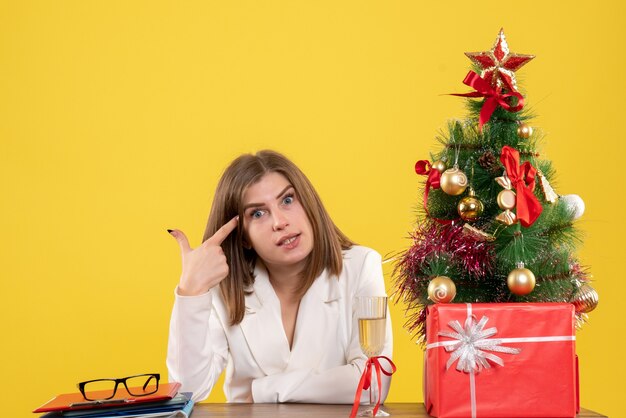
[(325, 362)]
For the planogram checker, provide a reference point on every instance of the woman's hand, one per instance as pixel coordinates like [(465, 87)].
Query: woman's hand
[(206, 266)]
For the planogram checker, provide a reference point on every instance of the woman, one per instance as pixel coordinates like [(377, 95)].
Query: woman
[(269, 293)]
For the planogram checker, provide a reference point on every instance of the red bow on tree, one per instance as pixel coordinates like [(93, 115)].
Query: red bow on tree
[(423, 167), (493, 96), (366, 382), (523, 180)]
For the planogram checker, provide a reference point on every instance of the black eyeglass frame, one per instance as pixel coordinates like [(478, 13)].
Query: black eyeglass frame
[(156, 376)]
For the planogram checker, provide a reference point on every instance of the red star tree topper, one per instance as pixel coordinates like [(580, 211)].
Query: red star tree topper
[(499, 64)]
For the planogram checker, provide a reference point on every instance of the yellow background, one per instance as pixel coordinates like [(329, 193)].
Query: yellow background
[(117, 118)]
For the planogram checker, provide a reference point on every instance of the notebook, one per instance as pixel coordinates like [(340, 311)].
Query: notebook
[(76, 401), (179, 406)]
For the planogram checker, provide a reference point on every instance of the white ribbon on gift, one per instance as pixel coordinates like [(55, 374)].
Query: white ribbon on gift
[(470, 345), (473, 344)]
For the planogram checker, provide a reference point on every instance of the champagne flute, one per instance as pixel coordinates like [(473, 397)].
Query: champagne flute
[(372, 316)]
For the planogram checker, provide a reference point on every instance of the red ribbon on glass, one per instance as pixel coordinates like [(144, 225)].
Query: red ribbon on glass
[(366, 381), (493, 96), (523, 180), (424, 168)]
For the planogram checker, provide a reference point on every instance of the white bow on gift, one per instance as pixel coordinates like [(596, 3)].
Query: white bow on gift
[(472, 345)]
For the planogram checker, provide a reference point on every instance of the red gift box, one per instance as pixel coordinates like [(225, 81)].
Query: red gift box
[(501, 360)]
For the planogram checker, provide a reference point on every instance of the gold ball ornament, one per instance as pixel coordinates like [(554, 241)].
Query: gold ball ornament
[(453, 181), (470, 208), (524, 131), (441, 289), (439, 166), (521, 281), (586, 299)]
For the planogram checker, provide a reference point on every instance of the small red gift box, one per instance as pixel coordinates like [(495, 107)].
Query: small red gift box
[(501, 360)]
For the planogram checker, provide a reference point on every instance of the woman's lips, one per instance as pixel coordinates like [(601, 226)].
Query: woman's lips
[(291, 242)]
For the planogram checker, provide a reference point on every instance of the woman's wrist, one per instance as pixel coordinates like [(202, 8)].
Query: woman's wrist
[(182, 290)]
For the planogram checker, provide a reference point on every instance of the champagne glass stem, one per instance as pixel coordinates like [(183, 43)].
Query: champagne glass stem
[(371, 384)]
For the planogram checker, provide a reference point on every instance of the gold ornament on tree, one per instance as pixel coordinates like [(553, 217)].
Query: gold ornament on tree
[(521, 281), (507, 218), (470, 208), (586, 298), (477, 234), (507, 200), (524, 131), (548, 192), (441, 289), (453, 181), (439, 165)]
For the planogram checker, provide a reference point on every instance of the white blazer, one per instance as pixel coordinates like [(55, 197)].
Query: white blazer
[(325, 362)]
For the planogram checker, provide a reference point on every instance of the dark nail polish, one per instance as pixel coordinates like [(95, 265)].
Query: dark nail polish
[(170, 231)]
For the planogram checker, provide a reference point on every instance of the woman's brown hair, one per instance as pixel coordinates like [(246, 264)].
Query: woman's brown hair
[(328, 240)]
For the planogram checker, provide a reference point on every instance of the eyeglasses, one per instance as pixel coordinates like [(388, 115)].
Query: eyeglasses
[(102, 389)]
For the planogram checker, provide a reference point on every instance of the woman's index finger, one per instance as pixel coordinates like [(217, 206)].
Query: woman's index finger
[(221, 234)]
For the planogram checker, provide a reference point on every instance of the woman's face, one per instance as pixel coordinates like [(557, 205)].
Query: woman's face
[(275, 223)]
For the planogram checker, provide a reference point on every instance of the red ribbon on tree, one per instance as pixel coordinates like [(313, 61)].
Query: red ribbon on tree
[(423, 167), (523, 180), (493, 96), (366, 381)]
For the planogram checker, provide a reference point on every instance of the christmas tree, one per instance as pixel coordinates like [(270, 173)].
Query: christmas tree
[(492, 229)]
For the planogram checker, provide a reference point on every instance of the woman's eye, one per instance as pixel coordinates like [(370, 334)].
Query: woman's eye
[(256, 214), (288, 200)]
